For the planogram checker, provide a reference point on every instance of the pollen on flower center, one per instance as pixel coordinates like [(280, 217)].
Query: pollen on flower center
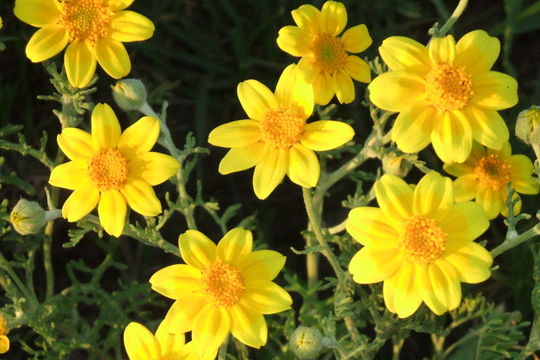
[(223, 282), (329, 53), (282, 128), (448, 87), (492, 171), (423, 240), (85, 20), (109, 169)]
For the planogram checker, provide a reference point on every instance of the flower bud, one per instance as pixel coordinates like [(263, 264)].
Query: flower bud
[(528, 125), (129, 94), (28, 217), (306, 342), (396, 165)]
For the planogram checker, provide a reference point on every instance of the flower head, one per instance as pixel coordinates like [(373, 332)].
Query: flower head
[(326, 61), (445, 94), (484, 176), (419, 243), (111, 170), (276, 138), (222, 289), (94, 30)]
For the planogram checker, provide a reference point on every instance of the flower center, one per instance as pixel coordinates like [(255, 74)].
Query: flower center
[(223, 282), (448, 87), (423, 240), (109, 169), (85, 20), (283, 127), (329, 53), (492, 171)]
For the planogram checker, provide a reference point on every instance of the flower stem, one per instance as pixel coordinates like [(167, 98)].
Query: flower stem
[(222, 355), (514, 241), (452, 19)]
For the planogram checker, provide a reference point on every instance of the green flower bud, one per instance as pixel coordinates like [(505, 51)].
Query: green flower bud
[(528, 125), (306, 342), (396, 165), (28, 217), (129, 94)]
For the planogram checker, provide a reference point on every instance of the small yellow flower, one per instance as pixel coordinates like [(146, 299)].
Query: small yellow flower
[(485, 174), (445, 94), (222, 289), (325, 57), (94, 30), (4, 340), (109, 169), (276, 138), (419, 243)]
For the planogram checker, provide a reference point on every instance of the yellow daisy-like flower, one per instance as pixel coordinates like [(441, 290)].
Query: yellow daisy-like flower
[(445, 94), (276, 138), (141, 344), (485, 174), (420, 243), (109, 169), (326, 61), (222, 289), (94, 30)]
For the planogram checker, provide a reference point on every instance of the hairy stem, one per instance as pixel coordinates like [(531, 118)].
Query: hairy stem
[(514, 241)]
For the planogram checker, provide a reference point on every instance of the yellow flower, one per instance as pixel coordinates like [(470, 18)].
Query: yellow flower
[(485, 174), (445, 94), (276, 138), (141, 344), (420, 243), (109, 169), (4, 340), (325, 57), (222, 289), (94, 30)]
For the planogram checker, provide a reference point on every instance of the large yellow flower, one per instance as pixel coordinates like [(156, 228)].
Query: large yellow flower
[(326, 61), (109, 169), (94, 30), (485, 174), (420, 243), (222, 289), (276, 138), (445, 94)]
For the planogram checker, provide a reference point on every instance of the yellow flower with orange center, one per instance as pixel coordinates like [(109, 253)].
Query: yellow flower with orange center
[(419, 243), (94, 30), (222, 289), (484, 176), (276, 138), (111, 170), (445, 94), (325, 57)]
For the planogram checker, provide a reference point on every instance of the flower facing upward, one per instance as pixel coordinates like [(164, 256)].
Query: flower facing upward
[(485, 175), (326, 62), (445, 94), (222, 289), (109, 169), (94, 30), (276, 138), (420, 243)]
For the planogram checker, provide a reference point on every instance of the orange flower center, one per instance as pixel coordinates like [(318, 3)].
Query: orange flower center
[(223, 282), (492, 171), (85, 20), (109, 169), (448, 87), (423, 240), (329, 53), (283, 127)]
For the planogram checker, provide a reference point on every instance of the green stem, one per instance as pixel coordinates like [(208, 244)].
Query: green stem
[(24, 149), (47, 260), (222, 355), (452, 19), (514, 241), (4, 264)]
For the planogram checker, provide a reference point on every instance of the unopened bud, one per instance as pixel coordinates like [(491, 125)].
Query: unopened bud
[(396, 165), (129, 94), (306, 342), (27, 217), (528, 125)]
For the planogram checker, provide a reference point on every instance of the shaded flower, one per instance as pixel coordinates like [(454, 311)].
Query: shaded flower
[(4, 340)]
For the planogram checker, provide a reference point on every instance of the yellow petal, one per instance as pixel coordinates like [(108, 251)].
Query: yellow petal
[(180, 316), (517, 204), (472, 262), (236, 134), (113, 57), (442, 50), (177, 281), (294, 40), (261, 265), (140, 343), (76, 144), (129, 26), (112, 211), (369, 226), (140, 137), (395, 198), (452, 137), (356, 39), (400, 52), (494, 90), (141, 197), (323, 89), (413, 127), (266, 298), (46, 42), (70, 175), (4, 344), (425, 287), (248, 326), (433, 193), (522, 170), (210, 328), (491, 200), (105, 127), (80, 64), (343, 87), (155, 168), (467, 167), (236, 242), (333, 17), (293, 91), (196, 249), (396, 90), (38, 13), (446, 288), (256, 99), (400, 292), (477, 51), (358, 69), (369, 266), (308, 70), (170, 342), (488, 127), (238, 159), (307, 17), (304, 168), (466, 187), (270, 172), (326, 135), (81, 202)]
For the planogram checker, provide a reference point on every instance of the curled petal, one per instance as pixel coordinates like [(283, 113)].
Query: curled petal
[(333, 17), (235, 243), (400, 53), (256, 99), (294, 40), (197, 249), (356, 39)]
